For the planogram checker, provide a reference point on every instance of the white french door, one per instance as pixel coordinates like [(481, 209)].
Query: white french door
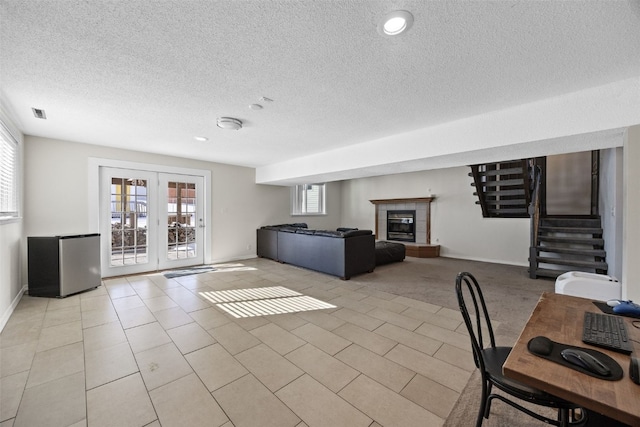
[(151, 220), (182, 230)]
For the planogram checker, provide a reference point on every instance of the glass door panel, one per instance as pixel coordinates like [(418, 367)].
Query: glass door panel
[(128, 221), (127, 212), (183, 198)]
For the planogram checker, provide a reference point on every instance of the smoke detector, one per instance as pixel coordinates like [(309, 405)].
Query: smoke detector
[(229, 123)]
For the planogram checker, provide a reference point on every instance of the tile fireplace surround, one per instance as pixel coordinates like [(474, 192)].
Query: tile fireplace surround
[(422, 206)]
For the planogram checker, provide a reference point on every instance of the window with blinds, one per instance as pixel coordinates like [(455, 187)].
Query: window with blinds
[(8, 174), (308, 199)]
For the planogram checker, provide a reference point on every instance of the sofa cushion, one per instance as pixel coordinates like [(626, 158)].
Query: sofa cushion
[(357, 232), (343, 234), (305, 231), (295, 225), (329, 233)]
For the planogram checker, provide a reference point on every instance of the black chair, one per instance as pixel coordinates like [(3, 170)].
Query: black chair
[(490, 359)]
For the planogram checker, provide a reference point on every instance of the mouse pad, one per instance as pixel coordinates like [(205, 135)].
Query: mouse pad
[(550, 350), (609, 310)]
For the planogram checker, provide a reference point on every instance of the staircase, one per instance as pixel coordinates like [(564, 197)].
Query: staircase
[(558, 243), (567, 243), (503, 189)]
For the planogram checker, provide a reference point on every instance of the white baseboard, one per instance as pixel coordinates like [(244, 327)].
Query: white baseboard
[(490, 261), (238, 258), (7, 314)]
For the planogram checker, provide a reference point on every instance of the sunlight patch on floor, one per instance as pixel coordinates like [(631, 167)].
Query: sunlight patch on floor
[(263, 301), (267, 307), (230, 267)]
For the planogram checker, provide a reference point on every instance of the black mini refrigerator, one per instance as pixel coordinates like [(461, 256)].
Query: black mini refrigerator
[(63, 265)]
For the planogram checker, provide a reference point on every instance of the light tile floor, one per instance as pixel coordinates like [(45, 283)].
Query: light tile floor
[(149, 351)]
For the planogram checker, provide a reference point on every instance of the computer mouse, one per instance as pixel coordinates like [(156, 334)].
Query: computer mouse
[(634, 369), (627, 307), (586, 361), (613, 302)]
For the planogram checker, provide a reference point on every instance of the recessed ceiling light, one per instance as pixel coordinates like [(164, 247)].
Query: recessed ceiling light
[(229, 123), (395, 23), (255, 106), (201, 138)]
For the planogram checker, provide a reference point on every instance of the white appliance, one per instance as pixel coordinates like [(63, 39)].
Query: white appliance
[(589, 285)]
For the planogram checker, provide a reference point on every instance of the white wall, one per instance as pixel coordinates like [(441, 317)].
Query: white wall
[(10, 237), (630, 246), (457, 224), (611, 207), (57, 199)]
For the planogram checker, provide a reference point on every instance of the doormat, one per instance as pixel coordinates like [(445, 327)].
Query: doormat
[(188, 271)]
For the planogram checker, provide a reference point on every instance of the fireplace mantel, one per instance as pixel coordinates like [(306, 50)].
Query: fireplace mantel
[(423, 212), (407, 200)]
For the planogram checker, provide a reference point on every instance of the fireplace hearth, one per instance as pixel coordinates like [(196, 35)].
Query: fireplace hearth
[(401, 225), (420, 246)]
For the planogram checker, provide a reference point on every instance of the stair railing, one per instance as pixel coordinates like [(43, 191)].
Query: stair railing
[(534, 213), (527, 178), (478, 183)]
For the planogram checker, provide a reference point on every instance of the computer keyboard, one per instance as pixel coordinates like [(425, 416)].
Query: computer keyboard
[(607, 331)]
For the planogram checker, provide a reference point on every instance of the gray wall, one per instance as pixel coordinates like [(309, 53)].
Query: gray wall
[(631, 197), (568, 184)]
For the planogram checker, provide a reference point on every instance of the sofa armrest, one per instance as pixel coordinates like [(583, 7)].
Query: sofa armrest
[(267, 243)]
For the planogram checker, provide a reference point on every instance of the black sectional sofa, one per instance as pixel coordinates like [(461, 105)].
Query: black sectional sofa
[(344, 252)]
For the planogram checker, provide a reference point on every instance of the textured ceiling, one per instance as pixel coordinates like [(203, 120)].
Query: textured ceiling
[(151, 75)]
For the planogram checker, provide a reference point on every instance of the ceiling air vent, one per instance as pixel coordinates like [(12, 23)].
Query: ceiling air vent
[(40, 114)]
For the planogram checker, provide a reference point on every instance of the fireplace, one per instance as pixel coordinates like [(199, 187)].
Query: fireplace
[(401, 226)]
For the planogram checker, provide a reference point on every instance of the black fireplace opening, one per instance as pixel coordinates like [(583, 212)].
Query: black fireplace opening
[(401, 226)]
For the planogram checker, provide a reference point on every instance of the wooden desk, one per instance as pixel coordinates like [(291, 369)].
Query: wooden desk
[(560, 318)]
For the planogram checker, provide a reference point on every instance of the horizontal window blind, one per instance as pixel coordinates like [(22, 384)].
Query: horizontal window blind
[(308, 199), (8, 173)]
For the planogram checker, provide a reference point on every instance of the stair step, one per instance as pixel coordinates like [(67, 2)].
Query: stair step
[(573, 251), (570, 222), (504, 183), (599, 265), (573, 240), (506, 202), (510, 211), (516, 192), (499, 172), (506, 171), (578, 230)]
